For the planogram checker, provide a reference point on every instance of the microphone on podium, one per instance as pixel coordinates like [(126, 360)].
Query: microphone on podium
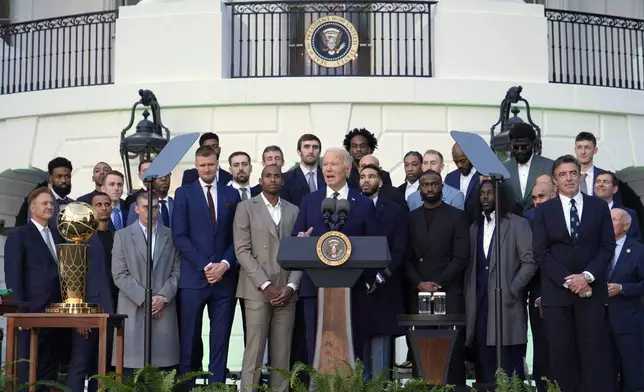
[(342, 208), (328, 209)]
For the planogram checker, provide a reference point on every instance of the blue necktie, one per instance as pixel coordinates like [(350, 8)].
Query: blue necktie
[(118, 220), (574, 221), (165, 214)]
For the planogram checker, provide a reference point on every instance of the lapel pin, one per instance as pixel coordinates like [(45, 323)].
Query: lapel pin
[(628, 250)]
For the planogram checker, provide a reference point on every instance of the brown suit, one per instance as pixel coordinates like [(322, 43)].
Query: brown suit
[(257, 240)]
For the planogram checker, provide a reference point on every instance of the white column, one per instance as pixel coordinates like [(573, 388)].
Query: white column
[(504, 40)]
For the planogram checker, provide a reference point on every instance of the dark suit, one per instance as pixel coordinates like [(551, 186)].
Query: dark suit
[(354, 178), (87, 198), (634, 230), (191, 175), (256, 190), (626, 314), (441, 255), (360, 222), (377, 314), (98, 290), (539, 165), (200, 242), (132, 216), (295, 185), (32, 273), (576, 328), (131, 199), (471, 203)]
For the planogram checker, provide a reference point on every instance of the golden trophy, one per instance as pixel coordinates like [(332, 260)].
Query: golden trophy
[(77, 222)]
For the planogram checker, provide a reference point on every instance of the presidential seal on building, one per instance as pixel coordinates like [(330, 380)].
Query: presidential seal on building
[(331, 41), (334, 248)]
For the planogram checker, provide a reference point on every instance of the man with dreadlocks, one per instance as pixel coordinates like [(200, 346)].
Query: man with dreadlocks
[(361, 142)]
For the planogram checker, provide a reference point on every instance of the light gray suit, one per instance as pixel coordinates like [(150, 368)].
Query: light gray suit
[(257, 241), (539, 165), (128, 269), (518, 267)]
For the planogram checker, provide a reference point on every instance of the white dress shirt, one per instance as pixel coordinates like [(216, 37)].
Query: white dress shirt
[(411, 188), (579, 203), (154, 235), (619, 245), (306, 172), (275, 211), (213, 193), (343, 193), (488, 232), (375, 201), (524, 171), (45, 233), (590, 180), (465, 181), (238, 187)]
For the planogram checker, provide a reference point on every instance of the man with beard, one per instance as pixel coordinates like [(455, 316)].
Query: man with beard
[(240, 169), (525, 165), (433, 160), (517, 268), (222, 176), (465, 179), (98, 174), (113, 187), (307, 177), (438, 254), (60, 185), (100, 289), (385, 190), (360, 142), (268, 291), (160, 187), (377, 296), (413, 163)]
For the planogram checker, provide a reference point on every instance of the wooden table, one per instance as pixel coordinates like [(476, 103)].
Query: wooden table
[(432, 339), (33, 321)]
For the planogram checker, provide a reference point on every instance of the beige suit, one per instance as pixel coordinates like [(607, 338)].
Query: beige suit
[(256, 244)]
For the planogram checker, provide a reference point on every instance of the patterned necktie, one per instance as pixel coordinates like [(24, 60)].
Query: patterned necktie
[(165, 213), (335, 195), (582, 185), (118, 219), (211, 206), (244, 195), (574, 220), (50, 245), (311, 182)]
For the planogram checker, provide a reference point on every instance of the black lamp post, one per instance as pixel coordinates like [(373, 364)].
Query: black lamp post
[(500, 143), (147, 141)]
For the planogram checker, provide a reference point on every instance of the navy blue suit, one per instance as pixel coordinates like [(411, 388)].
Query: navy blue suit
[(360, 222), (98, 290), (377, 314), (191, 175), (354, 178), (471, 203), (132, 216), (295, 185), (576, 328), (201, 243), (87, 198), (634, 230), (626, 314), (32, 273)]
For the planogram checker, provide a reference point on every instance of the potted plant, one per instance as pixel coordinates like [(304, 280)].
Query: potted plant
[(151, 379)]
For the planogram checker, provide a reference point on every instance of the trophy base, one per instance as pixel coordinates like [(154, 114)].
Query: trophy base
[(78, 308)]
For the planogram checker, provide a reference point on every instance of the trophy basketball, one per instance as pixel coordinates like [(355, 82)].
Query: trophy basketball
[(77, 223)]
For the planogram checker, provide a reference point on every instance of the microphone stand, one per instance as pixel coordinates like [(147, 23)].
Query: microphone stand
[(498, 303), (147, 325)]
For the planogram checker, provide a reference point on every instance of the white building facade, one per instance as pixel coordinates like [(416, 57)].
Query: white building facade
[(240, 70)]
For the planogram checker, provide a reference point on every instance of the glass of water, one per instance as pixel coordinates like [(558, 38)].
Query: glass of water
[(424, 303), (439, 300)]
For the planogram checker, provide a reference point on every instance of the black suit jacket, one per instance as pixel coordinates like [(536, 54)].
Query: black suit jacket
[(559, 256), (295, 186), (354, 178), (191, 175), (441, 254)]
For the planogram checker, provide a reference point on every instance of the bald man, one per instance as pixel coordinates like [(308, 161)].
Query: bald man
[(385, 189), (625, 310), (466, 179)]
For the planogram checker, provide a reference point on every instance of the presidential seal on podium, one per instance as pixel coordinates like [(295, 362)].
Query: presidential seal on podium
[(334, 248), (77, 223), (331, 41)]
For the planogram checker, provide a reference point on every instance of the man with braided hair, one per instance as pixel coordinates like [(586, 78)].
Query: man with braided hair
[(361, 142)]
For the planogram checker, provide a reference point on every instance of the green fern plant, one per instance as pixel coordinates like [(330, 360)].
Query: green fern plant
[(152, 379), (11, 383), (550, 386)]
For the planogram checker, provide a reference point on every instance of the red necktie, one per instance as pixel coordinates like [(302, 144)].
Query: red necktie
[(211, 205)]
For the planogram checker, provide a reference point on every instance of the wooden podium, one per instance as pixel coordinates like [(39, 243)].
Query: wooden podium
[(33, 321), (432, 342), (334, 340)]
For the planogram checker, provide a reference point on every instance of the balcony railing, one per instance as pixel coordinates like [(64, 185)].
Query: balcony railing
[(273, 39), (69, 51), (596, 50)]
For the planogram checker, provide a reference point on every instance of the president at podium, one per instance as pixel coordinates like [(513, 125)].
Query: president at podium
[(358, 218)]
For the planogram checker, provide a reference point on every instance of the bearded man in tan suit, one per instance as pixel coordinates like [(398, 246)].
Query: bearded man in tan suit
[(269, 291)]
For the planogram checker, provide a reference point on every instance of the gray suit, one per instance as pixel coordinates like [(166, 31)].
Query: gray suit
[(518, 267), (128, 269), (257, 241), (539, 165)]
